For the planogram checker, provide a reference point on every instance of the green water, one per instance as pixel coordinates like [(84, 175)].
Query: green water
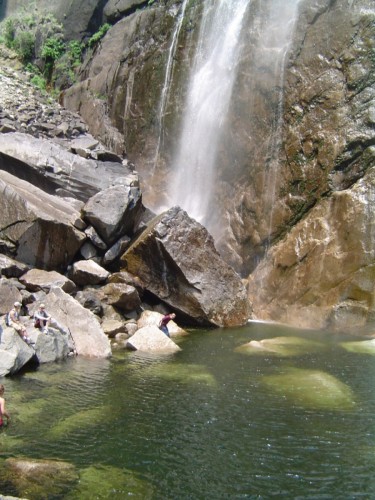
[(293, 419)]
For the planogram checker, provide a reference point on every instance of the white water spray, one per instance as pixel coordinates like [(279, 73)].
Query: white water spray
[(209, 95)]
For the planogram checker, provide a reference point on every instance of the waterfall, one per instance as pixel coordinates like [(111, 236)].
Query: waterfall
[(224, 34), (167, 79), (209, 94)]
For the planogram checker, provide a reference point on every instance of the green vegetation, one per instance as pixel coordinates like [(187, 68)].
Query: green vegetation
[(24, 46), (96, 37), (38, 41)]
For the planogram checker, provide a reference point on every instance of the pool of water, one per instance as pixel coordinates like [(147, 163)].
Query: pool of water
[(293, 418)]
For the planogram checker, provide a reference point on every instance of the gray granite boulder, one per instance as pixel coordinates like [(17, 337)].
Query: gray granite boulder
[(87, 334), (9, 294), (87, 272), (38, 279), (51, 346), (114, 212), (176, 260), (52, 167), (41, 225), (14, 352), (11, 268), (151, 339)]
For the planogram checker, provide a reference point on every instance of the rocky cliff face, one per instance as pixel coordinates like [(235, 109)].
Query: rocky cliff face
[(304, 189)]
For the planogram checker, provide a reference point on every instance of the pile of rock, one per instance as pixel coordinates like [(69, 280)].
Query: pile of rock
[(75, 235)]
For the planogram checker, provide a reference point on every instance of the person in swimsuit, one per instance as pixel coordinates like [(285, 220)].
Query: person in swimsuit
[(3, 412)]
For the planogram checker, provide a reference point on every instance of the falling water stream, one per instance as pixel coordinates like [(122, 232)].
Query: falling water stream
[(167, 79), (210, 91)]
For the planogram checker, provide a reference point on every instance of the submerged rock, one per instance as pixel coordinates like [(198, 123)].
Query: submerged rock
[(88, 418), (104, 481), (280, 346), (181, 373), (311, 389), (33, 478), (176, 260), (360, 347)]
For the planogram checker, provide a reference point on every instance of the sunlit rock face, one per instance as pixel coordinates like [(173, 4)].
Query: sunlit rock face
[(323, 272), (311, 389)]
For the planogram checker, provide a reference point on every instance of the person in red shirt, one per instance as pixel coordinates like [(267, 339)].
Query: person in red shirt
[(164, 321)]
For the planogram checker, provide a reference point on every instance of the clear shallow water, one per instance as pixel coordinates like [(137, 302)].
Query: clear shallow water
[(207, 423)]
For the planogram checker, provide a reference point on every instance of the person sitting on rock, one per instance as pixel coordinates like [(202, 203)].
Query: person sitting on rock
[(42, 319), (13, 320), (164, 321)]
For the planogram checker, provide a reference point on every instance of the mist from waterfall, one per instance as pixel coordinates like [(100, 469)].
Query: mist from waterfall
[(210, 91)]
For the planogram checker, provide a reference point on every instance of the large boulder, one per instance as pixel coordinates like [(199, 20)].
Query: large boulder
[(14, 352), (87, 272), (11, 268), (176, 260), (51, 346), (87, 334), (120, 295), (114, 211), (152, 318), (41, 225), (151, 339), (38, 279), (52, 167), (9, 294)]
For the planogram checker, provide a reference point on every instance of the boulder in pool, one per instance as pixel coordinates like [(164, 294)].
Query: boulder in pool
[(151, 339)]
